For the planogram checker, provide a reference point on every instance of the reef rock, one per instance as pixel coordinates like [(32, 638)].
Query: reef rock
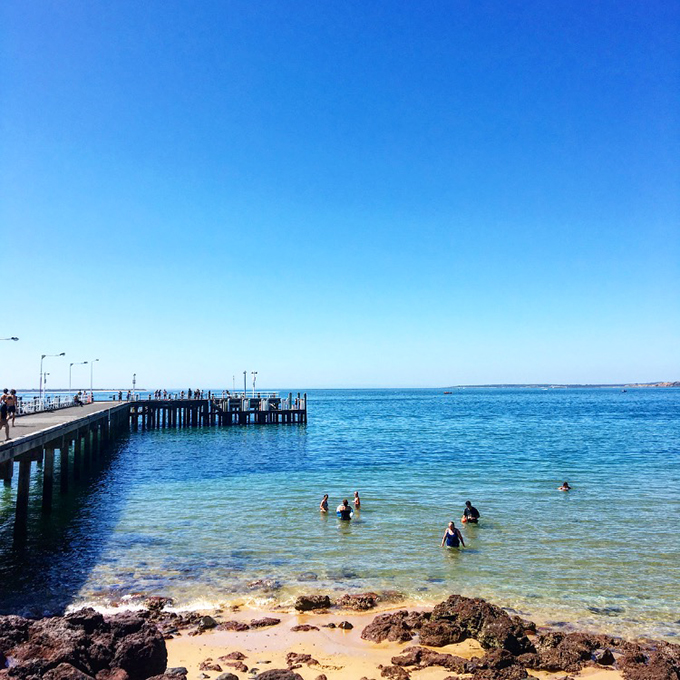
[(306, 603), (392, 627)]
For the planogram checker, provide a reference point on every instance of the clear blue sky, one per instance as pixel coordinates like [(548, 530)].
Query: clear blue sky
[(360, 193)]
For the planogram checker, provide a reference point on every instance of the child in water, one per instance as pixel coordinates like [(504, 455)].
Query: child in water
[(564, 487), (323, 506), (357, 500)]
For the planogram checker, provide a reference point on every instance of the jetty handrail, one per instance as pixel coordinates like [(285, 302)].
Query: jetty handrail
[(38, 405)]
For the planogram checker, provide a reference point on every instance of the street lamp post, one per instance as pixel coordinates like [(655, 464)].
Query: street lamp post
[(70, 368), (254, 374), (42, 357), (245, 388), (134, 384), (92, 363)]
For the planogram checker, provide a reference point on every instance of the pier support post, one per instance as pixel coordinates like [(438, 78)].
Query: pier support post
[(6, 472), (23, 488), (63, 464), (77, 455), (48, 479)]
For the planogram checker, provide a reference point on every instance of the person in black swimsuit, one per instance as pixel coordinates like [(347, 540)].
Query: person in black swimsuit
[(452, 537), (470, 514), (343, 510)]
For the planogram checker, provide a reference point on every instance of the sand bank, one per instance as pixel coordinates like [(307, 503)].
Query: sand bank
[(341, 654)]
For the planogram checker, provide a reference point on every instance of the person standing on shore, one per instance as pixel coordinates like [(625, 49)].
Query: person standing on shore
[(470, 514), (452, 537), (323, 506)]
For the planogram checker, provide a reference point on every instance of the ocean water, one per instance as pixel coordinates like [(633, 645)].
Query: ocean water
[(212, 516)]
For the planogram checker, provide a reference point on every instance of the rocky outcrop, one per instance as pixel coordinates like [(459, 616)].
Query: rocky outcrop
[(392, 627), (307, 603), (490, 625), (82, 646), (279, 674), (360, 602)]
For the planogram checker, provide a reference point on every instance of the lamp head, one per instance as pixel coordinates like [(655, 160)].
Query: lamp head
[(14, 338)]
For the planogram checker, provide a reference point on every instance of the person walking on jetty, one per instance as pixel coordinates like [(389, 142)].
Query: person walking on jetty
[(4, 422), (12, 403), (323, 506), (452, 537), (470, 514), (344, 511), (357, 501)]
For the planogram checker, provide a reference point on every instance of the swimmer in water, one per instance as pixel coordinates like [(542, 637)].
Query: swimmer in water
[(470, 514), (564, 487), (452, 537), (323, 506), (344, 511), (356, 500)]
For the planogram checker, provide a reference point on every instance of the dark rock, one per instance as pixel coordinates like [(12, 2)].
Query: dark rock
[(237, 666), (305, 603), (87, 619), (345, 625), (395, 672), (209, 665), (142, 654), (238, 626), (392, 627), (65, 671), (158, 604), (295, 659), (321, 677), (485, 622), (227, 676), (441, 633), (279, 674), (565, 651), (303, 628), (13, 631), (359, 602), (424, 658), (263, 623), (207, 622), (233, 656), (656, 661), (120, 674), (177, 670), (604, 657), (329, 625)]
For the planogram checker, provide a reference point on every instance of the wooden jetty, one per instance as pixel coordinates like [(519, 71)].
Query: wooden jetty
[(71, 440)]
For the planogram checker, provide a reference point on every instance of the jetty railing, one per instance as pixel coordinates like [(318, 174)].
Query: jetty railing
[(37, 405)]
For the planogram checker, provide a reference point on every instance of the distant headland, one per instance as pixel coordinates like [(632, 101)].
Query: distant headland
[(572, 385)]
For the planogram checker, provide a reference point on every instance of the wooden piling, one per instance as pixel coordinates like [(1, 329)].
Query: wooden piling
[(63, 464), (48, 479), (23, 488)]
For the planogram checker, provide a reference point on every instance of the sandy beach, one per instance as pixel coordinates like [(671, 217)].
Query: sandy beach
[(341, 653)]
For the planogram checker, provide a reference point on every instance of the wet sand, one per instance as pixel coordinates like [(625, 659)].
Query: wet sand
[(342, 654)]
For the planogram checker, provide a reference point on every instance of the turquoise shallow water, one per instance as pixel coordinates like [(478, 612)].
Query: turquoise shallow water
[(203, 515)]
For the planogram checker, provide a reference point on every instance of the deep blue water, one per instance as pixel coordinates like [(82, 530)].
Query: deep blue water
[(203, 515)]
